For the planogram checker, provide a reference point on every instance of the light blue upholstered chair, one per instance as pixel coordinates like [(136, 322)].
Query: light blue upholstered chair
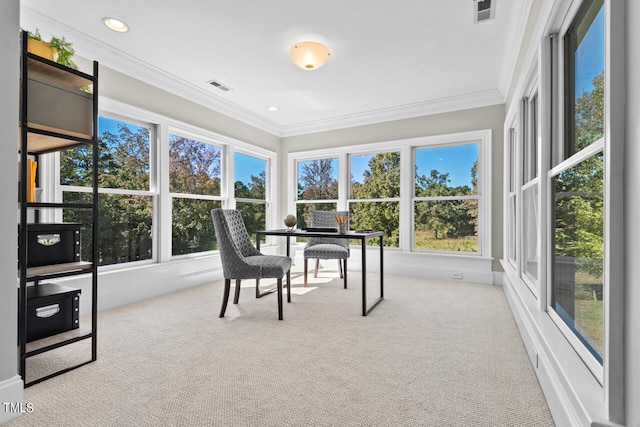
[(327, 247), (241, 260)]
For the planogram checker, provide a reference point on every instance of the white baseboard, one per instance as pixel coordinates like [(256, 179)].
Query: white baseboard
[(11, 399)]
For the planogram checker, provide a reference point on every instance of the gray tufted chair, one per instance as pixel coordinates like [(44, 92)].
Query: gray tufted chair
[(327, 247), (241, 260)]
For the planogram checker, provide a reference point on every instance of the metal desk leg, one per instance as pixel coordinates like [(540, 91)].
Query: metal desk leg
[(366, 310)]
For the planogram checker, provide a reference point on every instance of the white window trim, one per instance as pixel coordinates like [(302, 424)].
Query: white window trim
[(159, 173), (405, 146)]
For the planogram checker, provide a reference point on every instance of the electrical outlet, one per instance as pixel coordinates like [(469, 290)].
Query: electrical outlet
[(456, 275)]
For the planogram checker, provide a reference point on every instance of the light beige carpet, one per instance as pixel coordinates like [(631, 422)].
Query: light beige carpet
[(433, 353)]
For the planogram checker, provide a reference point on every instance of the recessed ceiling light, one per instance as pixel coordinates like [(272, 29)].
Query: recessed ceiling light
[(115, 25), (272, 108)]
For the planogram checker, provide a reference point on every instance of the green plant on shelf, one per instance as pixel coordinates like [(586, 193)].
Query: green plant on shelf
[(63, 48)]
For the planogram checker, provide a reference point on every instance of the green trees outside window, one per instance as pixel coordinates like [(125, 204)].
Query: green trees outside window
[(125, 215), (579, 184), (250, 191), (194, 178), (446, 198)]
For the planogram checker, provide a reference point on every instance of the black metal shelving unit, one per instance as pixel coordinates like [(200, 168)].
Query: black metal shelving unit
[(39, 137)]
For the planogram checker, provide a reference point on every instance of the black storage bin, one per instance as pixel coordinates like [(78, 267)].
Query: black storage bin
[(50, 243), (51, 309)]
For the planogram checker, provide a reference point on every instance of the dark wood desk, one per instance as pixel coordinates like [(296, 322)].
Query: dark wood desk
[(362, 236)]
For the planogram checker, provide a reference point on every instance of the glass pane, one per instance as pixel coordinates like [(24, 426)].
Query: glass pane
[(318, 179), (250, 174), (530, 222), (125, 226), (254, 216), (76, 167), (447, 171), (513, 236), (448, 225), (303, 212), (584, 78), (578, 251), (124, 155), (382, 216), (194, 167), (375, 176), (192, 226), (512, 159), (530, 152)]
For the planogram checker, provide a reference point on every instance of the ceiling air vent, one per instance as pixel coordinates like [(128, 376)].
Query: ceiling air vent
[(484, 10), (219, 85)]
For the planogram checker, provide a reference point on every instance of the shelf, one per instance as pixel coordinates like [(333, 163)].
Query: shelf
[(57, 73), (43, 205), (40, 143), (58, 340), (65, 269), (59, 111)]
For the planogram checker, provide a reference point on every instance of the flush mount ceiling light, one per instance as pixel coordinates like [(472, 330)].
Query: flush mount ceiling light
[(272, 108), (115, 25), (309, 55)]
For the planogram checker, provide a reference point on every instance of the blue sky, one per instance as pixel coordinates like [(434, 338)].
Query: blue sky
[(589, 56), (246, 166), (455, 160)]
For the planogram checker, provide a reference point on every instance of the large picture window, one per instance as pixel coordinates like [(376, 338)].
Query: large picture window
[(577, 183), (446, 198), (374, 202), (195, 185), (125, 200)]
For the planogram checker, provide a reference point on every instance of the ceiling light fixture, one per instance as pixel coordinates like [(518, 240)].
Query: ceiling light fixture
[(115, 25), (309, 55), (272, 108)]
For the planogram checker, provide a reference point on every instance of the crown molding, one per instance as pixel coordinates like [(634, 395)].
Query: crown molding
[(442, 105)]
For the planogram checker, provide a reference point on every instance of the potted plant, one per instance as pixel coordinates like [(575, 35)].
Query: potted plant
[(57, 49)]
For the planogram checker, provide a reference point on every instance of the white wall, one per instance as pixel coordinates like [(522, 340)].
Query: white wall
[(632, 213), (10, 383)]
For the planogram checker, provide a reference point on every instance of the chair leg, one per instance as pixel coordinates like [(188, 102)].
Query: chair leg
[(236, 297), (225, 297), (345, 273), (306, 270), (280, 298), (315, 274), (289, 286), (340, 268)]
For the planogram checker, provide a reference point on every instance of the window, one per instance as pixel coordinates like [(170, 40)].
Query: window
[(446, 198), (317, 187), (374, 195), (125, 200), (577, 184), (195, 188), (530, 191), (512, 195), (250, 184)]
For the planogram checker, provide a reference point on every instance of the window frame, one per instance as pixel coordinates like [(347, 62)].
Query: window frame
[(206, 139), (350, 199), (416, 199), (59, 190), (405, 146), (560, 162)]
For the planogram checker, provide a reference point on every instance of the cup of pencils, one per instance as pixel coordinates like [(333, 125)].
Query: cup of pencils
[(342, 221)]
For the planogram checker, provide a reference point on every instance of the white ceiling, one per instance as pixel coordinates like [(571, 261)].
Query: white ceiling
[(389, 59)]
